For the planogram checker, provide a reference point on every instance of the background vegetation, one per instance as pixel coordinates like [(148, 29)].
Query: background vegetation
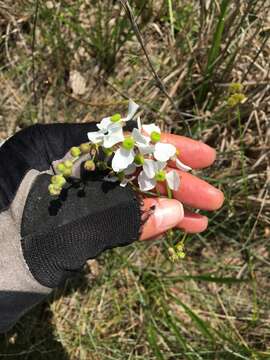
[(77, 60)]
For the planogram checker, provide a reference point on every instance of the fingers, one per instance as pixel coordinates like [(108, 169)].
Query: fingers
[(164, 214), (195, 192), (193, 223), (160, 215), (191, 152)]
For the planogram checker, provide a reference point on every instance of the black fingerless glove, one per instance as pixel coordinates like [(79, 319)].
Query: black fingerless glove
[(59, 236)]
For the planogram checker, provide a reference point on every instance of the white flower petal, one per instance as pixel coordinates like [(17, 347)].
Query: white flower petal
[(130, 169), (132, 109), (182, 166), (150, 128), (122, 159), (104, 124), (150, 168), (145, 183), (146, 149), (124, 182), (139, 123), (173, 180), (115, 136), (95, 137), (160, 165), (140, 138), (163, 152)]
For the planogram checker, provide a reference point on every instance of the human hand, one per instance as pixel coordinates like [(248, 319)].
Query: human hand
[(58, 236), (193, 192)]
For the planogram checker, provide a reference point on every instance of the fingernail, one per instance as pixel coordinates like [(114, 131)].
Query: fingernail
[(168, 214)]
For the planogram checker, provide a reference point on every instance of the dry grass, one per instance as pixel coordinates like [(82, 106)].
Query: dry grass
[(132, 303)]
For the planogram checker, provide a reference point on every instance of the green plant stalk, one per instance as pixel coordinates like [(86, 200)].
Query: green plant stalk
[(171, 17), (214, 51), (243, 169)]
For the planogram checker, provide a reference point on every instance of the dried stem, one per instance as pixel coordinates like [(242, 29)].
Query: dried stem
[(158, 80)]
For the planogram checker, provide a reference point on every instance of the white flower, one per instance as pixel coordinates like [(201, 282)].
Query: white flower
[(151, 167), (130, 170), (132, 109), (162, 151), (124, 157), (109, 136), (181, 165), (173, 180), (149, 128), (153, 172), (111, 133), (142, 142)]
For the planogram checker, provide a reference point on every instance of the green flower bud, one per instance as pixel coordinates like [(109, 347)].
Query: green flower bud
[(236, 99), (68, 164), (139, 159), (54, 189), (107, 152), (235, 88), (172, 254), (61, 167), (75, 151), (89, 165), (181, 254), (101, 165), (128, 143), (67, 173), (58, 180), (121, 175), (85, 148), (155, 137), (179, 247), (115, 118), (160, 176)]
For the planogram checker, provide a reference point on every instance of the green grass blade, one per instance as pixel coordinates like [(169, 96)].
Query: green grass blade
[(207, 278), (152, 339), (201, 325), (214, 51)]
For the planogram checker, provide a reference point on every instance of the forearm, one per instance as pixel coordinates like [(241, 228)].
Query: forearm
[(19, 291)]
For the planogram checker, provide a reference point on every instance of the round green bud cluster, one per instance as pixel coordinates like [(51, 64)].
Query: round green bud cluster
[(160, 175), (180, 251), (61, 167), (236, 99), (54, 189), (128, 143), (65, 168), (115, 118), (85, 148), (68, 164), (177, 252), (56, 185), (155, 137), (75, 151), (236, 88), (67, 172), (89, 165), (139, 159), (172, 254), (58, 180)]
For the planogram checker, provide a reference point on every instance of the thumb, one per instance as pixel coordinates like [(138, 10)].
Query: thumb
[(164, 214)]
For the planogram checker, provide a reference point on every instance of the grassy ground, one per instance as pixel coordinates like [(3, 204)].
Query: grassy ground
[(78, 60)]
